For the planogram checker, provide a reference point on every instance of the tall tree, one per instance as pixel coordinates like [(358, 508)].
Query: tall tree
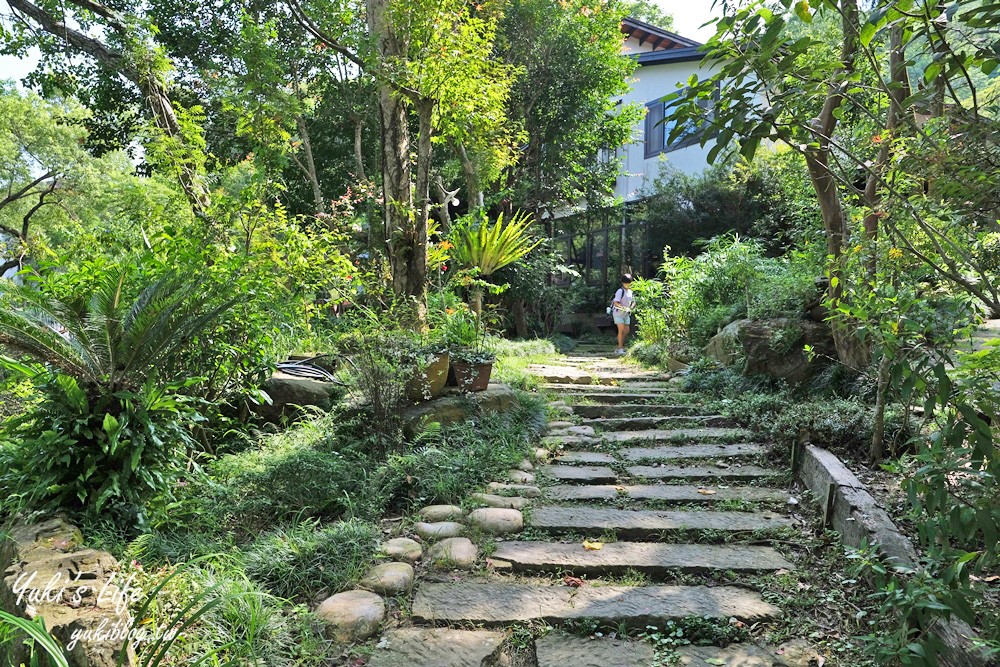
[(567, 100), (125, 46)]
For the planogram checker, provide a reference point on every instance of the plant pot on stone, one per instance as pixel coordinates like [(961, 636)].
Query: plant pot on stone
[(472, 369), (430, 375)]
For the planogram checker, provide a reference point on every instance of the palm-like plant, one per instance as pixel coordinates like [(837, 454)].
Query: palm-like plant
[(488, 248), (110, 430), (103, 340)]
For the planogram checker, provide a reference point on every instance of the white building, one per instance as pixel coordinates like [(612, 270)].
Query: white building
[(666, 62)]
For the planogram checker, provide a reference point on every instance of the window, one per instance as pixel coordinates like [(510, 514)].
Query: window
[(658, 130)]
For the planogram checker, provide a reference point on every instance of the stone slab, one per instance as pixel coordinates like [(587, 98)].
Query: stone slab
[(560, 650), (654, 422), (666, 492), (736, 655), (688, 434), (587, 474), (649, 557), (500, 604), (615, 397), (599, 411), (734, 472), (524, 490), (644, 523), (585, 457), (670, 453), (439, 647)]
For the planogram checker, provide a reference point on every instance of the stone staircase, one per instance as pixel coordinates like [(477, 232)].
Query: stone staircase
[(639, 498)]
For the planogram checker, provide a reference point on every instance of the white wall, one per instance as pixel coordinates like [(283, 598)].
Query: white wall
[(649, 83)]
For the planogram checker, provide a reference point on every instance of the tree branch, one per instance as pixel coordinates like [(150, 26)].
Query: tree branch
[(310, 26), (88, 45), (25, 191)]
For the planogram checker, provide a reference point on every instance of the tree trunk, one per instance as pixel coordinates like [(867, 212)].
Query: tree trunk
[(310, 165), (444, 197), (877, 450), (520, 319), (359, 158), (850, 350), (472, 189), (405, 228)]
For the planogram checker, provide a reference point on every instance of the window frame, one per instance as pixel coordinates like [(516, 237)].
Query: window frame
[(690, 140)]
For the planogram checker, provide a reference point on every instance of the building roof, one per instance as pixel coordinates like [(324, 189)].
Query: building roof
[(660, 39), (685, 55)]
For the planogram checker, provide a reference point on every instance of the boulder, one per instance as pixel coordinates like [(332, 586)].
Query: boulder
[(772, 347), (458, 552), (352, 616), (438, 530), (403, 548), (497, 521), (389, 579), (434, 513), (453, 407), (288, 392)]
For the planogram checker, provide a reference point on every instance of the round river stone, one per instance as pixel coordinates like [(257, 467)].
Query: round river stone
[(389, 579), (352, 616), (434, 513), (403, 548), (457, 552), (498, 521), (439, 530)]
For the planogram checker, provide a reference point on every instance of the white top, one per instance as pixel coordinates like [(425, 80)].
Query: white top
[(624, 297)]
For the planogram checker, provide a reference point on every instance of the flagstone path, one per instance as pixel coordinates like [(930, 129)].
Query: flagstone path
[(637, 485)]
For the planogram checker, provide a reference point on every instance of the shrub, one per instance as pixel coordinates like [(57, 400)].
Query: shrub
[(308, 560), (108, 453)]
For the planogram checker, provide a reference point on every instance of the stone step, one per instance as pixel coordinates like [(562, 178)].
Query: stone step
[(501, 604), (674, 493), (599, 458), (675, 452), (655, 422), (743, 655), (734, 472), (614, 397), (646, 524), (677, 434), (580, 474), (581, 389), (557, 649), (625, 409), (651, 558), (436, 647)]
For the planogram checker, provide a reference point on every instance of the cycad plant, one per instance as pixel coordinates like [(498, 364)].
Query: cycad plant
[(486, 248), (110, 430)]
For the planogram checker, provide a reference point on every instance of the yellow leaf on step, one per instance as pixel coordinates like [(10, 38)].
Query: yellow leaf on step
[(592, 546), (707, 492)]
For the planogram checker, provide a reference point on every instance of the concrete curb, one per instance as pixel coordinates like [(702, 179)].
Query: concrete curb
[(850, 510)]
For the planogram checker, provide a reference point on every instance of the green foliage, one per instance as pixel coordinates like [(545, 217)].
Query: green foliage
[(490, 247), (731, 279), (573, 68), (307, 561), (96, 453), (104, 339)]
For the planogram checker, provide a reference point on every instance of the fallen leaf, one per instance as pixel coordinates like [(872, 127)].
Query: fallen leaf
[(573, 582), (592, 546), (715, 661), (620, 489), (707, 492)]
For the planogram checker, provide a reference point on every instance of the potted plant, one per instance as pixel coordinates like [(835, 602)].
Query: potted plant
[(431, 361), (471, 362), (473, 369)]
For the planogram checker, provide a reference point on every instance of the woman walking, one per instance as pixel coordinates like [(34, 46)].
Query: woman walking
[(621, 311)]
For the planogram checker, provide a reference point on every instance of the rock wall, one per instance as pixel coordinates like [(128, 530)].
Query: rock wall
[(772, 347), (47, 572)]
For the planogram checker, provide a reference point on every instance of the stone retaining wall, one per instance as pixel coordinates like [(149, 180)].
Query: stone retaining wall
[(854, 513), (45, 571)]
